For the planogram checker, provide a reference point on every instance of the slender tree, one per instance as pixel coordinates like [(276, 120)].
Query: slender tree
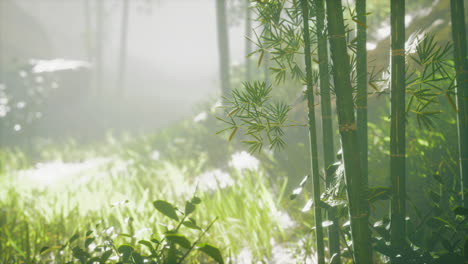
[(313, 135), (327, 127), (98, 45), (361, 74), (89, 44), (398, 123), (461, 67), (248, 41), (223, 47), (355, 185), (123, 48), (87, 19)]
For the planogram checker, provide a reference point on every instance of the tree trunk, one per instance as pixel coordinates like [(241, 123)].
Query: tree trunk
[(98, 55), (355, 185), (327, 127), (223, 46), (461, 69), (361, 73), (123, 48), (397, 126), (313, 136), (87, 18)]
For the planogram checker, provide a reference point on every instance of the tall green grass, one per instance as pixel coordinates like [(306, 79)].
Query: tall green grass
[(72, 189)]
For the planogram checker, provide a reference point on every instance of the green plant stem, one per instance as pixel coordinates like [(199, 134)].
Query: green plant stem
[(397, 126), (313, 136), (361, 74), (327, 126), (461, 68), (355, 185), (223, 47), (198, 240)]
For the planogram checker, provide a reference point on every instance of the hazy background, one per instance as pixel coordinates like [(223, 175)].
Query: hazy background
[(171, 60)]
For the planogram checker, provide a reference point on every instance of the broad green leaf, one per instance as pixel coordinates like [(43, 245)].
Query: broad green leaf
[(88, 241), (178, 239), (137, 258), (105, 256), (166, 208), (73, 238), (44, 250), (191, 224), (195, 200), (189, 208), (147, 244), (211, 251), (126, 251)]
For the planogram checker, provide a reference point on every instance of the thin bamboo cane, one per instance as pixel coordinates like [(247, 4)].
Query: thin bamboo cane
[(123, 48), (327, 127), (313, 136), (223, 47), (361, 70)]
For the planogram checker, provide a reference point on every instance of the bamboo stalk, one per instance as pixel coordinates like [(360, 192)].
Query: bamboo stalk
[(313, 136), (223, 47), (248, 42), (355, 185), (327, 127), (123, 48), (398, 125), (361, 98), (98, 55), (461, 68)]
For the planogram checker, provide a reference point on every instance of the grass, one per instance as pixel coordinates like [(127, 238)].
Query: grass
[(74, 188)]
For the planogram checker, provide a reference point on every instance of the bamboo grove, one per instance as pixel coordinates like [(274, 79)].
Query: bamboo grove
[(322, 45)]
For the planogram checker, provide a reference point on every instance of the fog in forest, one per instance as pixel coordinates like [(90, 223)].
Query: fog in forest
[(233, 131), (171, 60)]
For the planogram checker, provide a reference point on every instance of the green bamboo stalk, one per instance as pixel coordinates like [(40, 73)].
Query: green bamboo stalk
[(248, 42), (87, 19), (313, 136), (361, 72), (355, 185), (461, 68), (223, 47), (327, 126), (397, 126), (123, 48), (98, 55), (89, 43)]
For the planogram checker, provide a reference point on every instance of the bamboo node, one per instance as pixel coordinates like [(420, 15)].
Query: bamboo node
[(360, 216), (398, 155), (347, 127), (361, 107), (398, 52), (338, 36)]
